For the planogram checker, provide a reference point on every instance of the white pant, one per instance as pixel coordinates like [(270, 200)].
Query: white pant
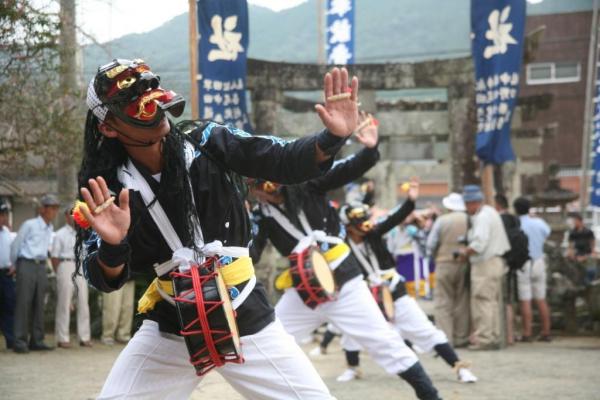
[(64, 294), (357, 315), (531, 280), (412, 323), (155, 365)]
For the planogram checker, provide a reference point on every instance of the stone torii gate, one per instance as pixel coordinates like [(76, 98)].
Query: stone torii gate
[(268, 80)]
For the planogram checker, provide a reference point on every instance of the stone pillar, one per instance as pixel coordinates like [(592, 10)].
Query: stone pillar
[(462, 127), (367, 101), (265, 103)]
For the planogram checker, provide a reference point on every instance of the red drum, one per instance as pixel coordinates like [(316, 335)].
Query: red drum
[(384, 299), (206, 317), (312, 277)]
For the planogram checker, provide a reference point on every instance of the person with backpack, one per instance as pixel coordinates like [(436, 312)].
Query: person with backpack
[(531, 279), (515, 258)]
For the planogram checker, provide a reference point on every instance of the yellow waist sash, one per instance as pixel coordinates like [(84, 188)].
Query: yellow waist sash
[(233, 274), (284, 279)]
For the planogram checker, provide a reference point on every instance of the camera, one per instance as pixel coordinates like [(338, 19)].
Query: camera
[(462, 240)]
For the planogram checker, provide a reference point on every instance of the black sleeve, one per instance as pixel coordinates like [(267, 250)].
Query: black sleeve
[(266, 157), (93, 271), (394, 218), (259, 236), (346, 170)]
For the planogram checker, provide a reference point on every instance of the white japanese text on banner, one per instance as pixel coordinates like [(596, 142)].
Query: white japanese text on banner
[(340, 32), (223, 45), (498, 33)]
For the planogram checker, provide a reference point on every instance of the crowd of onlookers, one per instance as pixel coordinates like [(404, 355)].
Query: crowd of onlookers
[(25, 259), (482, 260)]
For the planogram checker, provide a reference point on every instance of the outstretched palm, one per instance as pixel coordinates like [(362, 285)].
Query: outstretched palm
[(340, 116), (113, 222), (367, 132)]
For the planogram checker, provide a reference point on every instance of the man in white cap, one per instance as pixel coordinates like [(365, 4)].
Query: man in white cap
[(451, 298)]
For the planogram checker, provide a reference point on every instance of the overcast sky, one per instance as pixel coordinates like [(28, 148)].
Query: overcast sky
[(110, 19)]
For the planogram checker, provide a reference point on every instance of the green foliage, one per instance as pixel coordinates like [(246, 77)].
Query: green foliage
[(36, 116)]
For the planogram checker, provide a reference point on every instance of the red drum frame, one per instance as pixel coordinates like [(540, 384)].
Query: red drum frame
[(214, 346), (306, 280)]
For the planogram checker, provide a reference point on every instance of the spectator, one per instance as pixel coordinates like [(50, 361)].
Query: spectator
[(532, 278), (487, 242), (451, 298), (29, 252), (7, 279), (117, 314), (63, 262), (510, 288), (582, 248)]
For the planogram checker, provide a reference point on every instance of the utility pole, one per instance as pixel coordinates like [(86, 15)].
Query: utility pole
[(193, 46), (66, 170), (320, 33), (591, 79)]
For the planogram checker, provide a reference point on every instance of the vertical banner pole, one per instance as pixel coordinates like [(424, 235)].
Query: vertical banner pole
[(193, 45), (487, 183), (320, 33)]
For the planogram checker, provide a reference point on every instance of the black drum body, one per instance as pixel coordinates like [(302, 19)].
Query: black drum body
[(206, 316)]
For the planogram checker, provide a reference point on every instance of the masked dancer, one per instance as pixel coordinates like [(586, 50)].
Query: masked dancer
[(158, 196), (368, 246), (294, 217)]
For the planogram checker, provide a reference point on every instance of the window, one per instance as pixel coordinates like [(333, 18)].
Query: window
[(548, 73)]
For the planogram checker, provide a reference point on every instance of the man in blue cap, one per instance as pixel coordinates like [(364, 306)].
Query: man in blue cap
[(487, 242)]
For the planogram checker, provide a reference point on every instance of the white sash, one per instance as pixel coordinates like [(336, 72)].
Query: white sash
[(371, 265), (305, 239), (182, 257)]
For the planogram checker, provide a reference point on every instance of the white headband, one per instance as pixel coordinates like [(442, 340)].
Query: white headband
[(94, 103)]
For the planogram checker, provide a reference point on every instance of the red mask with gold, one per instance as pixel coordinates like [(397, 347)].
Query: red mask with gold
[(132, 93)]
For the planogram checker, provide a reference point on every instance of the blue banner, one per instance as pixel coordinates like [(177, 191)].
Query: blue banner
[(497, 43), (595, 195), (222, 53), (340, 32)]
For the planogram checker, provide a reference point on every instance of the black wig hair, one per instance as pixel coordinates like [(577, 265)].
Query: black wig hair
[(102, 156)]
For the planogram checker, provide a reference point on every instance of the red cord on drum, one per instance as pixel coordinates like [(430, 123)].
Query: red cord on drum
[(208, 356)]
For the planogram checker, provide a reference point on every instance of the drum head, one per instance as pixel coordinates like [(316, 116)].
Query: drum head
[(228, 311), (322, 271), (387, 302)]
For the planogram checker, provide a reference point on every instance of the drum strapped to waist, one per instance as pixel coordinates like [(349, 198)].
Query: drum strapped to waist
[(200, 286), (383, 296), (206, 316), (311, 271), (312, 277)]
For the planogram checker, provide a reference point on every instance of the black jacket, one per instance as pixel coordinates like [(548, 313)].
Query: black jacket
[(375, 243), (220, 207), (311, 197)]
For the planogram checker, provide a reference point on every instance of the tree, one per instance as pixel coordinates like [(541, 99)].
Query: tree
[(39, 120)]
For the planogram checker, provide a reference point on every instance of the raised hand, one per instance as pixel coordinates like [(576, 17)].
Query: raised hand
[(340, 112), (367, 131), (413, 190), (111, 223)]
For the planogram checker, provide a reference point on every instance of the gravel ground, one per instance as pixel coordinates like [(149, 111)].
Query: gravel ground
[(567, 368)]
